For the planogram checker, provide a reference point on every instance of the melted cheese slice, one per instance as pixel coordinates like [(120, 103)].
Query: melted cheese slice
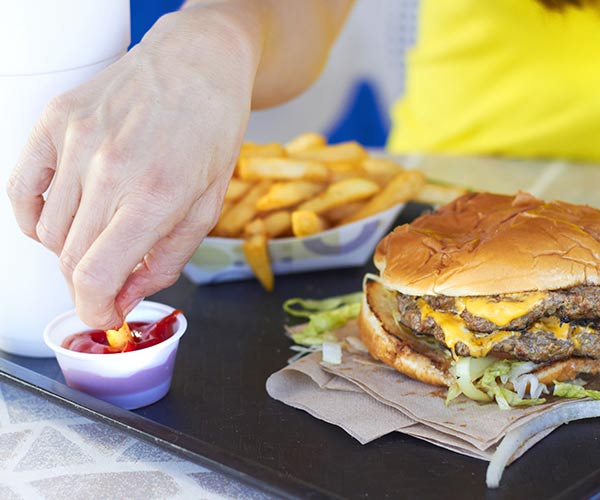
[(553, 325), (455, 331), (503, 312)]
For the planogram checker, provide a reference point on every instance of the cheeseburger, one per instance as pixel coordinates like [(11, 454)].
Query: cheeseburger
[(493, 296)]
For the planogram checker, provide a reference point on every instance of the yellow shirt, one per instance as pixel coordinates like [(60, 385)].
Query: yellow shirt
[(502, 77)]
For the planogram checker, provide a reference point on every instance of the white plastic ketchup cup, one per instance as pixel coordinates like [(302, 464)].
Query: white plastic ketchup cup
[(127, 379)]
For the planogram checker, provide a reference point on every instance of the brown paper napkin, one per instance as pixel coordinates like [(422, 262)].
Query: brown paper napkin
[(368, 400), (349, 408)]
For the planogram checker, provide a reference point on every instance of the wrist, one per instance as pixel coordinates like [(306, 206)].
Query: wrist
[(222, 32)]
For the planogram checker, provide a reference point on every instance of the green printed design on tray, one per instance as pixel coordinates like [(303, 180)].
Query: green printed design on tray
[(214, 257)]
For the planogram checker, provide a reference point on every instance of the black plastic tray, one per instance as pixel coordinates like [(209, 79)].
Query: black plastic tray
[(219, 413)]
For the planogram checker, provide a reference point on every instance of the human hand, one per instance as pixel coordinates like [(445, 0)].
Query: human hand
[(137, 161)]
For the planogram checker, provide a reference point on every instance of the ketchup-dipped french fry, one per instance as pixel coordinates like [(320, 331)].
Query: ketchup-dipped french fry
[(119, 338)]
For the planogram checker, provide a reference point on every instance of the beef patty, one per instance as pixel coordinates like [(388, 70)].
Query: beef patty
[(577, 306)]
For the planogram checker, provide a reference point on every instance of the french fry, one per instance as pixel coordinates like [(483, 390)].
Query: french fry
[(336, 214), (402, 188), (305, 142), (236, 189), (272, 225), (343, 152), (381, 170), (257, 256), (256, 226), (345, 170), (118, 339), (287, 194), (307, 222), (340, 193), (282, 169), (234, 220), (278, 223), (273, 150), (438, 194), (252, 150), (306, 186)]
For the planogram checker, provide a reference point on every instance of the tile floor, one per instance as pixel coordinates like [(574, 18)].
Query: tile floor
[(48, 451)]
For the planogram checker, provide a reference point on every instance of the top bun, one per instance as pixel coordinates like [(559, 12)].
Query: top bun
[(487, 244)]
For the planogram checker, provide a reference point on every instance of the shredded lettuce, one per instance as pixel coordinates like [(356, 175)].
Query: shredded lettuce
[(483, 380), (505, 398), (323, 316), (309, 307), (565, 390)]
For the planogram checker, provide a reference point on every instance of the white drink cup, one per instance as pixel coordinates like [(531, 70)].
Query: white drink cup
[(46, 48)]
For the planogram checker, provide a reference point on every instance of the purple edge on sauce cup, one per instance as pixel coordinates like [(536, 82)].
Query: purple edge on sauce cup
[(129, 380)]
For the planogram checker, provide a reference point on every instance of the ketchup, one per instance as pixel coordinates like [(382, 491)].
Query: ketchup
[(95, 342)]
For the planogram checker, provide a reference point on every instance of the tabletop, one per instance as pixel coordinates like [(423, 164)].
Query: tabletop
[(217, 431), (547, 179)]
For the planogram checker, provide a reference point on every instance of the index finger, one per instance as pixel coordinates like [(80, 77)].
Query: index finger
[(100, 274)]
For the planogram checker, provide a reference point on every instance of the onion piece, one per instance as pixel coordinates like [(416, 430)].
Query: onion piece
[(536, 388), (332, 353), (469, 369), (517, 370), (301, 351), (529, 381), (356, 344), (519, 436)]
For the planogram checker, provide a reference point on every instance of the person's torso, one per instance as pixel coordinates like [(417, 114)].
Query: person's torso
[(502, 77)]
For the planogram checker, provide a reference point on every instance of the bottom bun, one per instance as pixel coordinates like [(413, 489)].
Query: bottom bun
[(567, 369), (424, 359), (396, 346)]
